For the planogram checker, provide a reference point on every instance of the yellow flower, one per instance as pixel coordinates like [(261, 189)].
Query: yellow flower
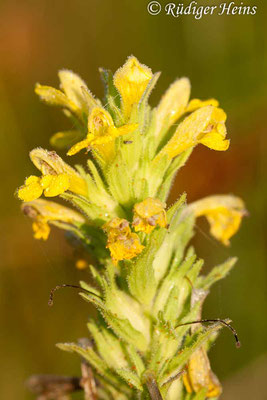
[(131, 81), (199, 375), (74, 96), (101, 134), (206, 125), (49, 185), (45, 212), (148, 214), (224, 214), (122, 243), (57, 177)]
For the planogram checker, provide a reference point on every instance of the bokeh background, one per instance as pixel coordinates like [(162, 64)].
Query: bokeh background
[(225, 58)]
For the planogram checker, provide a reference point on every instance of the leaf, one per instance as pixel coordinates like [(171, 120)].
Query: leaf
[(94, 360), (141, 279), (195, 270), (136, 359), (172, 279), (120, 182), (125, 330), (179, 361), (201, 395), (92, 211), (112, 97), (97, 276), (96, 175), (217, 273), (108, 346), (130, 377)]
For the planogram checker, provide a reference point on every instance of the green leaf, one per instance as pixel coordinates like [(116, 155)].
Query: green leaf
[(179, 361), (95, 213), (124, 330), (172, 279), (141, 279), (120, 182), (217, 273), (195, 270), (135, 359), (201, 395), (108, 346), (130, 377), (96, 362)]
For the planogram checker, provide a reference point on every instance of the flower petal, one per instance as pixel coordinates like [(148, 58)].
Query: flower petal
[(131, 81), (172, 104)]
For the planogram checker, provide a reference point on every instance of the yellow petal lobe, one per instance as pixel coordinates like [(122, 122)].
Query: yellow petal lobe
[(32, 189), (55, 185)]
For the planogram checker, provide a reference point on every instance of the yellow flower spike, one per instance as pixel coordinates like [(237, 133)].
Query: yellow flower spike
[(102, 134), (45, 212), (49, 163), (194, 104), (172, 105), (148, 214), (224, 214), (199, 375), (206, 125), (131, 81), (122, 243)]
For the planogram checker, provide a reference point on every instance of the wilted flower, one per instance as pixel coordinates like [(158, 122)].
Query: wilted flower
[(45, 212), (122, 243), (148, 214), (224, 214)]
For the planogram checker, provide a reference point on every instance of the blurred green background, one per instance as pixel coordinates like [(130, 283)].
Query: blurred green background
[(225, 58)]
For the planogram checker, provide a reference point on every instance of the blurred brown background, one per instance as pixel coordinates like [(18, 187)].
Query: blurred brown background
[(225, 58)]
